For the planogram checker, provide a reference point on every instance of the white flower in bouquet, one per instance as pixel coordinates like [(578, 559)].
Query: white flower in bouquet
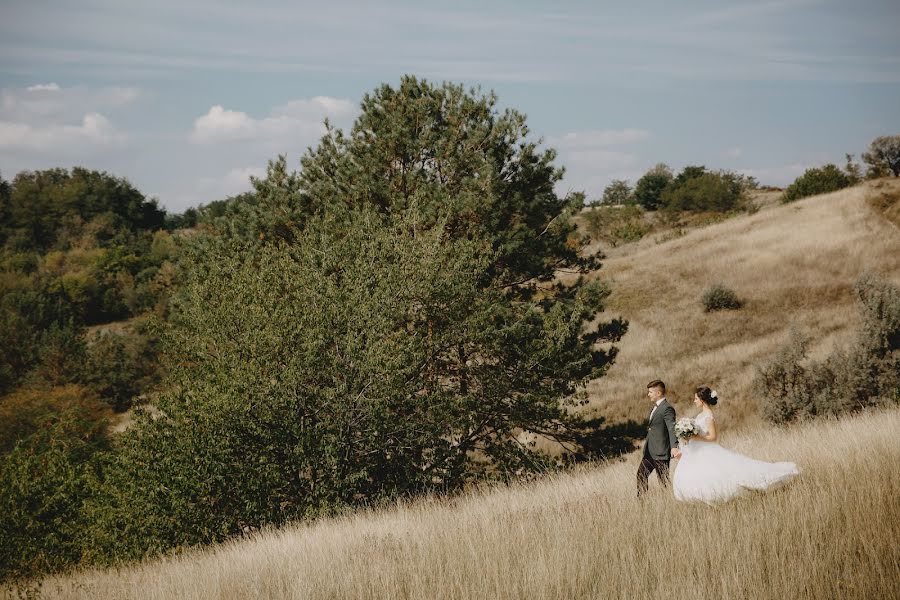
[(686, 427)]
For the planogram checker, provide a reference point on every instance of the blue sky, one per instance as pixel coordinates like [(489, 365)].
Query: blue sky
[(187, 99)]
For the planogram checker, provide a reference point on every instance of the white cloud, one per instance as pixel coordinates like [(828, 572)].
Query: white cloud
[(235, 181), (42, 102), (239, 179), (94, 129), (43, 87), (595, 138), (297, 118)]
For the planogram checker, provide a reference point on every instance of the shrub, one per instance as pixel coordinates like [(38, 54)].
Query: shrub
[(26, 411), (45, 482), (616, 224), (719, 297), (867, 373), (817, 181), (618, 192), (720, 191), (649, 188)]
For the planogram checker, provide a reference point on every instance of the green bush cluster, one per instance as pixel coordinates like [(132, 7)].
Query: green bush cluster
[(867, 373), (720, 297), (617, 225), (693, 189), (817, 181)]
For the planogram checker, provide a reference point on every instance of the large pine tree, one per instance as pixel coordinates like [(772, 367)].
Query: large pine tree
[(385, 321)]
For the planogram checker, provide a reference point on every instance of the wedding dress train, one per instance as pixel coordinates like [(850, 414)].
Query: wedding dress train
[(707, 472)]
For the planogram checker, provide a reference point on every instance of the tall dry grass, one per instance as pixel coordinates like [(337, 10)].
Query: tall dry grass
[(830, 534), (793, 265)]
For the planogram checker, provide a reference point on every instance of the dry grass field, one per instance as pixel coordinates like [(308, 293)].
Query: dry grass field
[(582, 534), (794, 265), (830, 534)]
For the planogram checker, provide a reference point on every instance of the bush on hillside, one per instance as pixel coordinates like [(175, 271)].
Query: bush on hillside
[(720, 191), (617, 192), (867, 373), (720, 297), (649, 189), (883, 156), (616, 225), (817, 181)]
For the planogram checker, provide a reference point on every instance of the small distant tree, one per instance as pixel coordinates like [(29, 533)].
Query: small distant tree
[(883, 156), (853, 170), (688, 173), (649, 188), (618, 192), (817, 181), (720, 191)]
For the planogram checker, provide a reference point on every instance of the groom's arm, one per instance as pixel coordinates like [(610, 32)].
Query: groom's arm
[(669, 418)]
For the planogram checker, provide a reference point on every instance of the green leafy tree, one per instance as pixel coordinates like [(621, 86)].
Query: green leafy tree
[(381, 324), (883, 156), (45, 483), (649, 188), (720, 191), (618, 192), (817, 181), (688, 173), (40, 202)]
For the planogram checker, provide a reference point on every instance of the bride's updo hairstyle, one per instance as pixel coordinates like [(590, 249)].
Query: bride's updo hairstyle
[(707, 395)]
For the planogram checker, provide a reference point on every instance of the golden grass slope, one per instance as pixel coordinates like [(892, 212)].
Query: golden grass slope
[(830, 534), (793, 264)]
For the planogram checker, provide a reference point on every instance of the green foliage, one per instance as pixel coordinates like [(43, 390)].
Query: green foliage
[(618, 192), (649, 189), (616, 225), (44, 483), (377, 325), (343, 369), (79, 250), (449, 152), (688, 173), (883, 156), (817, 181), (39, 203), (867, 373), (853, 170), (698, 190), (27, 411), (119, 367), (720, 297)]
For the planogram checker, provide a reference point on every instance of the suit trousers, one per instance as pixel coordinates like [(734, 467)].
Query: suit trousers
[(648, 465)]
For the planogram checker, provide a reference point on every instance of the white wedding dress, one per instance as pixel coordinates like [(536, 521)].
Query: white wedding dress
[(707, 472)]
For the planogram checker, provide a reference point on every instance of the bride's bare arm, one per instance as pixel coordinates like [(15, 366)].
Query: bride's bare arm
[(712, 436)]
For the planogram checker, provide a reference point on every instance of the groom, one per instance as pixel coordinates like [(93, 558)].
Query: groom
[(661, 444)]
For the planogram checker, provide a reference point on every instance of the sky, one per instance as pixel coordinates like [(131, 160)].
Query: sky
[(189, 98)]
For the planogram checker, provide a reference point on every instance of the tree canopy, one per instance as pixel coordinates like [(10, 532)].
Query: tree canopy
[(382, 322)]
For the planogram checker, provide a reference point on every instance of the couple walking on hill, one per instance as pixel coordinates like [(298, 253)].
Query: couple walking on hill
[(706, 471)]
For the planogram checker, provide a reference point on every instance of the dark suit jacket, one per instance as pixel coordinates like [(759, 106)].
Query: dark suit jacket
[(661, 433)]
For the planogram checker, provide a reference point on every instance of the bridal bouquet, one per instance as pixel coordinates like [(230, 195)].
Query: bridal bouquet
[(685, 428)]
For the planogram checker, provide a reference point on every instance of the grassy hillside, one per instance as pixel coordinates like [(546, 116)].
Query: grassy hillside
[(794, 265), (830, 534)]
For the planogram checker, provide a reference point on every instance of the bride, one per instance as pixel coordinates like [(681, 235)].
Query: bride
[(710, 473)]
